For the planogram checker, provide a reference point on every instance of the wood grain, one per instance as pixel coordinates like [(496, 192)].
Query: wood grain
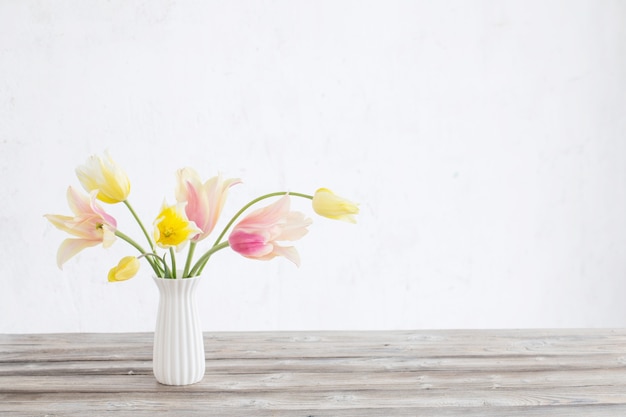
[(564, 372)]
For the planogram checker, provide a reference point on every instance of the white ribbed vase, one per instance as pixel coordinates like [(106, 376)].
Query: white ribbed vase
[(178, 355)]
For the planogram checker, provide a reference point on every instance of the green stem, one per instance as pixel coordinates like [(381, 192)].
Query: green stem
[(199, 265), (143, 229), (173, 256), (192, 248), (153, 256), (141, 250), (131, 241), (167, 273)]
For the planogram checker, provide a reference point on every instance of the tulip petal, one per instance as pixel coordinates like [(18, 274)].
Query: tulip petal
[(105, 176), (60, 222), (70, 247), (269, 215), (258, 235), (327, 204), (204, 201), (125, 269), (289, 252), (294, 227), (91, 225), (172, 228), (197, 208), (78, 202), (249, 244), (108, 237)]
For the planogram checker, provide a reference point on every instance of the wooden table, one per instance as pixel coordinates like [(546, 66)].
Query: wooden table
[(358, 374)]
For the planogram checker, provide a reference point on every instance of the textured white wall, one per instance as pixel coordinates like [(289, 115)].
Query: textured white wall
[(485, 141)]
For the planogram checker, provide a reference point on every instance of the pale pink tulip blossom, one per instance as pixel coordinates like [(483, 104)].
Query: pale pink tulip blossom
[(91, 225), (258, 234), (204, 200)]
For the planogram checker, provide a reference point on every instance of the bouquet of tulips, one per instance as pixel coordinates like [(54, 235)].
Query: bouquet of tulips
[(259, 235)]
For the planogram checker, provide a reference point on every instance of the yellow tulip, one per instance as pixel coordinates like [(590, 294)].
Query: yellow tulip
[(125, 269), (104, 175), (327, 204), (172, 228)]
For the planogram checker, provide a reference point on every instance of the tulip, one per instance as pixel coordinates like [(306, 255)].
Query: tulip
[(204, 201), (91, 224), (258, 234), (104, 175), (172, 228), (125, 269), (327, 204)]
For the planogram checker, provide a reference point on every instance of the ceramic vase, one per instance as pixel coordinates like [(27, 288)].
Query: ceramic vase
[(178, 355)]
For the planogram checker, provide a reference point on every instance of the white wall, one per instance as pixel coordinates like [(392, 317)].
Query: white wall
[(483, 139)]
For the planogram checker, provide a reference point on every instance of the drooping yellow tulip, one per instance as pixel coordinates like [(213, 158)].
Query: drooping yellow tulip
[(328, 204), (172, 228), (103, 174), (125, 269)]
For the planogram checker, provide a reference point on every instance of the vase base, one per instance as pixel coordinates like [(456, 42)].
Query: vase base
[(178, 384)]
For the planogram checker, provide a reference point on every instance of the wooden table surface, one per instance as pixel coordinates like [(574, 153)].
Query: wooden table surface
[(361, 374)]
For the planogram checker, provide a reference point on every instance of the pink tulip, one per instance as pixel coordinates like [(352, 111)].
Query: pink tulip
[(91, 224), (204, 201), (258, 234)]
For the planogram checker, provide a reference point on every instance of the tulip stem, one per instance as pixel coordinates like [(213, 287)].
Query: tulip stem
[(143, 229), (167, 273), (129, 240), (134, 244), (192, 248), (197, 269), (173, 256)]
